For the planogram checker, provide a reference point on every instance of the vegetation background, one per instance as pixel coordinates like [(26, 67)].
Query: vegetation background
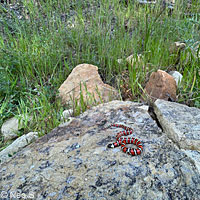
[(42, 41)]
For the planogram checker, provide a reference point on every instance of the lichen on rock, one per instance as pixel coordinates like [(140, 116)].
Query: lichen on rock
[(73, 161)]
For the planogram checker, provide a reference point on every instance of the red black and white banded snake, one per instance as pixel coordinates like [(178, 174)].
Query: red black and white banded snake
[(122, 141)]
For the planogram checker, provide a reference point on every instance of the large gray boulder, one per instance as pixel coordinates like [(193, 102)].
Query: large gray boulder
[(73, 162), (180, 122)]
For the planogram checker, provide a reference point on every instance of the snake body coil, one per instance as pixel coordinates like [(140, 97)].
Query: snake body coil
[(122, 141)]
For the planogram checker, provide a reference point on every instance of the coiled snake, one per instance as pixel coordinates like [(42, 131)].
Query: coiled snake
[(122, 141)]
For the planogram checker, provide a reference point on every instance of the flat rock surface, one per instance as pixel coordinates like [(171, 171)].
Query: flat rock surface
[(72, 162), (180, 122)]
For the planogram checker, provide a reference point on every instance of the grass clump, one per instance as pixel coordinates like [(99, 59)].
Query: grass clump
[(42, 41)]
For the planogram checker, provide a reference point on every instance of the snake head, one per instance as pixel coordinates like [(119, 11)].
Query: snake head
[(111, 145)]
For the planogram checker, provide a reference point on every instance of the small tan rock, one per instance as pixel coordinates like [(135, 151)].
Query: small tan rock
[(176, 47), (161, 85), (85, 79), (11, 126), (175, 50)]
